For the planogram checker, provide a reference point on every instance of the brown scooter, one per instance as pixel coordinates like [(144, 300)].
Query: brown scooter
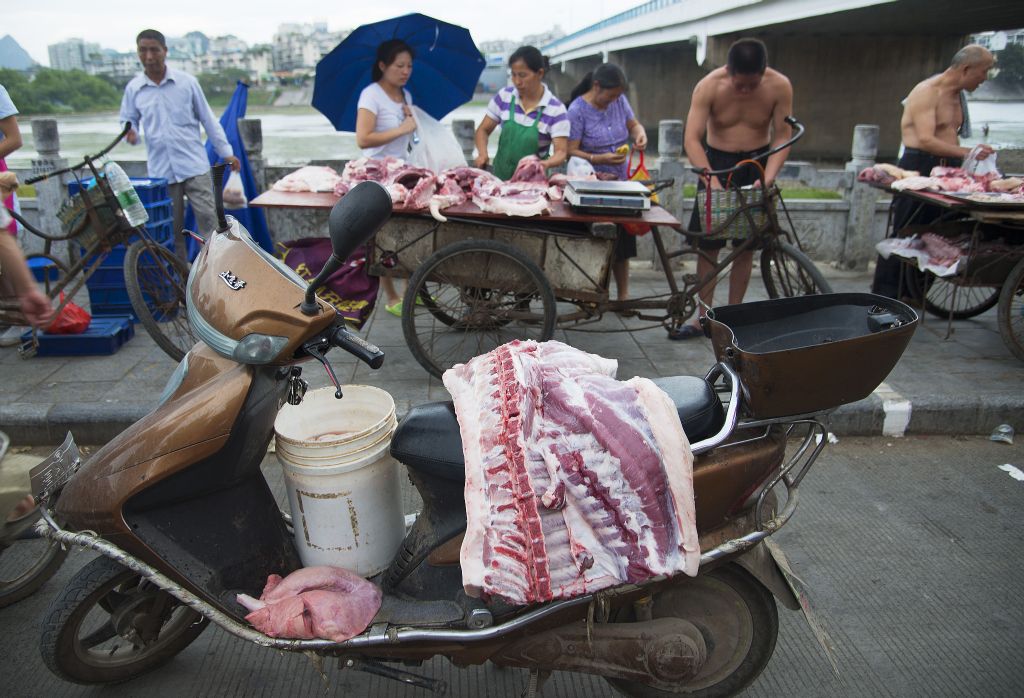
[(185, 521)]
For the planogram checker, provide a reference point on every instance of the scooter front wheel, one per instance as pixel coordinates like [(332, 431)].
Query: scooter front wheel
[(739, 621), (109, 625)]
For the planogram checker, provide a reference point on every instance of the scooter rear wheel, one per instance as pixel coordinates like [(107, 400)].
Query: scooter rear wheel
[(739, 621), (109, 625)]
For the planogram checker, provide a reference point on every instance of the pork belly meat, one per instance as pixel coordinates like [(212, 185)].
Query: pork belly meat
[(575, 481)]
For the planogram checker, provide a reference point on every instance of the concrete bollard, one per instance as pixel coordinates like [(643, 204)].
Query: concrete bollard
[(859, 244), (51, 193), (670, 138), (668, 165), (251, 131), (464, 130)]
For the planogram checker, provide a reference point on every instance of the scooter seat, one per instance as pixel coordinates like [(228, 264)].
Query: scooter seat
[(697, 403), (428, 440)]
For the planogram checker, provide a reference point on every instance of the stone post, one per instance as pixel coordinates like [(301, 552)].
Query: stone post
[(251, 131), (51, 193), (669, 165), (859, 243), (464, 130)]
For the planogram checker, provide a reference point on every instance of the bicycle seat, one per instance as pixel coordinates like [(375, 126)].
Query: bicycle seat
[(429, 440), (697, 403)]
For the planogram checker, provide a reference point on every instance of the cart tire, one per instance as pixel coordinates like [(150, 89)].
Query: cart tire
[(156, 281), (938, 299), (788, 272), (1011, 311), (474, 295)]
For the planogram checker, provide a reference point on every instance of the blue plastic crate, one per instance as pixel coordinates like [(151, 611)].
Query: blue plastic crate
[(151, 190), (159, 211), (111, 270), (43, 268), (105, 335)]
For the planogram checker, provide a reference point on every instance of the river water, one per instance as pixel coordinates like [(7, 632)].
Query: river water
[(291, 135), (298, 135)]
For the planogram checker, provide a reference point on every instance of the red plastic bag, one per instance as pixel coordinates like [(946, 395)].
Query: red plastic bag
[(72, 319), (639, 174)]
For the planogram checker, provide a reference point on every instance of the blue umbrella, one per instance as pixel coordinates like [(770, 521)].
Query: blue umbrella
[(252, 218), (445, 70)]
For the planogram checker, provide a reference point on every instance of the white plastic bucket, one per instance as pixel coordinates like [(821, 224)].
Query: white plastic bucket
[(343, 486)]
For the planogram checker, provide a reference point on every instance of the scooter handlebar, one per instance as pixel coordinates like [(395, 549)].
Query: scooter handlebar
[(370, 354)]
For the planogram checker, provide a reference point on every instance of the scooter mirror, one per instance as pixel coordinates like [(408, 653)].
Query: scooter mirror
[(353, 220), (357, 216)]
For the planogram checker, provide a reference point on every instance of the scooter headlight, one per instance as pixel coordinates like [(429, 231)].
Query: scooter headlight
[(258, 348)]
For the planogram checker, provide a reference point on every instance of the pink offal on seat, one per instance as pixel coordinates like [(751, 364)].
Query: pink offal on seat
[(575, 481)]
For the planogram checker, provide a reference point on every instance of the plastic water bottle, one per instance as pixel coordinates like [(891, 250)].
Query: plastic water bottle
[(134, 212)]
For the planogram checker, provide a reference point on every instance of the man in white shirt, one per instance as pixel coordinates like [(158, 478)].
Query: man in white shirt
[(169, 105)]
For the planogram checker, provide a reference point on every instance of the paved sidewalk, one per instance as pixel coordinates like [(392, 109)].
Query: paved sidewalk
[(966, 384)]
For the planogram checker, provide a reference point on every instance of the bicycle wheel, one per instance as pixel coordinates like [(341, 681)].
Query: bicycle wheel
[(476, 295), (1011, 311), (945, 299), (156, 281), (788, 272)]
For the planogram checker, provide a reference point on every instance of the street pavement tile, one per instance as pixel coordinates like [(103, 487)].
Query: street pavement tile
[(95, 368)]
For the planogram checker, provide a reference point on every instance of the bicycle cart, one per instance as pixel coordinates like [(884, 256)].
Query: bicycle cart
[(95, 228), (481, 279), (991, 272)]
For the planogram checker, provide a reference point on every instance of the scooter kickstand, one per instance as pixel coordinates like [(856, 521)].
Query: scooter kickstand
[(435, 686), (538, 677)]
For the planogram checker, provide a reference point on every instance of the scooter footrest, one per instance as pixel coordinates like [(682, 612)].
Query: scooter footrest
[(436, 613)]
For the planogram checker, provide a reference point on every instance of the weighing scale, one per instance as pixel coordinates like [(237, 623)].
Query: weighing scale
[(597, 196)]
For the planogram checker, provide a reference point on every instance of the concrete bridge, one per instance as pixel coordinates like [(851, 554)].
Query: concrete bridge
[(850, 61)]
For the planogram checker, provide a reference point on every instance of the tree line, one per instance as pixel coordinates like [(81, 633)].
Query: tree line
[(60, 91)]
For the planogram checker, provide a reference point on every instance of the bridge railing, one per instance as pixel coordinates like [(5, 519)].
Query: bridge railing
[(633, 13)]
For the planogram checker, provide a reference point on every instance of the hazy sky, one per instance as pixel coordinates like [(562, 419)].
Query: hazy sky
[(36, 24)]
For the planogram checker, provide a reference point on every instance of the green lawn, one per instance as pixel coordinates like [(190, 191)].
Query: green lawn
[(787, 192)]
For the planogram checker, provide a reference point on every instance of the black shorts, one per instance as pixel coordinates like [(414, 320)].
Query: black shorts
[(720, 160), (625, 244)]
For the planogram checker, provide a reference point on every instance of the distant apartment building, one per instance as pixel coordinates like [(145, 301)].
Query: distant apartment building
[(73, 54), (999, 40), (299, 47)]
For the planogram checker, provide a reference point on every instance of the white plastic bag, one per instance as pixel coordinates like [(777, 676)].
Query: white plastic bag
[(437, 150), (980, 167), (578, 168), (234, 192)]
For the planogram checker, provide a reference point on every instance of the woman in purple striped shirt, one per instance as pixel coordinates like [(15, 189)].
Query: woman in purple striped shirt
[(601, 122)]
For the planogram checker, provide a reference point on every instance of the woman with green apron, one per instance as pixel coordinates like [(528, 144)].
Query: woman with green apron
[(533, 121)]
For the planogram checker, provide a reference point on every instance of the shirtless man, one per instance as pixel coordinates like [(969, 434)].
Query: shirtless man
[(740, 110), (930, 127)]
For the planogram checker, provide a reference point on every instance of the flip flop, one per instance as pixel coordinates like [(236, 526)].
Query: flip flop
[(685, 332), (395, 308)]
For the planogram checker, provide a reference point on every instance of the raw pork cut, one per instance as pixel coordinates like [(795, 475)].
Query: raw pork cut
[(574, 481), (326, 602), (309, 178), (511, 198), (530, 169)]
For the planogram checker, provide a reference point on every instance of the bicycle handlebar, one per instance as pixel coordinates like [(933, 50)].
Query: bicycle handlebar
[(85, 161), (797, 135)]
